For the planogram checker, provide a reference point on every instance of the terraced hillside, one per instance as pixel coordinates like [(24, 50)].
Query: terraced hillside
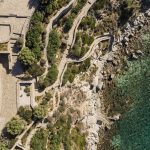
[(71, 53)]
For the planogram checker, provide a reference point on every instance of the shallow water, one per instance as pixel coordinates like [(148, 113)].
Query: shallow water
[(134, 127)]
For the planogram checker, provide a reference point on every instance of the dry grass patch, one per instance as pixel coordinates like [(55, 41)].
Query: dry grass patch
[(3, 46)]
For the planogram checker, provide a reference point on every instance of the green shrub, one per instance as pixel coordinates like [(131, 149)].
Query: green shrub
[(52, 75), (82, 43), (19, 42), (78, 139), (74, 69), (125, 12), (68, 24), (3, 146), (40, 112), (39, 140), (53, 46), (26, 57), (88, 22), (25, 113), (15, 126), (35, 70)]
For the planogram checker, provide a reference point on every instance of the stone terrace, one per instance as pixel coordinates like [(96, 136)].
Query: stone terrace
[(16, 7), (16, 14)]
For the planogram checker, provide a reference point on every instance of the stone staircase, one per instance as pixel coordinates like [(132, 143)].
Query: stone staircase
[(14, 50), (13, 40)]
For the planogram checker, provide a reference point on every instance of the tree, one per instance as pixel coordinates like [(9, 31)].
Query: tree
[(19, 42), (36, 70), (15, 126), (40, 112), (53, 45), (52, 75), (39, 140), (77, 51), (88, 22), (37, 18), (26, 57), (68, 24), (25, 113)]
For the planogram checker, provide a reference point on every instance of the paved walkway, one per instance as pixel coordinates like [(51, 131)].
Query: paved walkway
[(49, 28), (8, 106), (70, 42)]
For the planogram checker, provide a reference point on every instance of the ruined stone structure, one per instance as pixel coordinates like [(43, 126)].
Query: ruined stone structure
[(14, 20)]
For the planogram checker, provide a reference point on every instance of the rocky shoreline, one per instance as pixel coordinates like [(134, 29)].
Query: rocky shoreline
[(93, 111)]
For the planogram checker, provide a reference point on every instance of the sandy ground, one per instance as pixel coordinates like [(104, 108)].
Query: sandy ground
[(8, 106)]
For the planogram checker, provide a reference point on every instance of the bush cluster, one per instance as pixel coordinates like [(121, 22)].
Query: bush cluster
[(62, 134), (53, 46), (74, 69), (81, 46), (36, 35), (68, 22), (39, 140), (50, 78), (88, 23)]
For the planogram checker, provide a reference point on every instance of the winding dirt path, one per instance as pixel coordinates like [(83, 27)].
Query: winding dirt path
[(64, 10), (92, 48), (70, 42), (88, 54)]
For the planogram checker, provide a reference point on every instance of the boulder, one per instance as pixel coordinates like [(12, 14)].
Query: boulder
[(134, 56), (139, 52), (109, 59), (115, 63)]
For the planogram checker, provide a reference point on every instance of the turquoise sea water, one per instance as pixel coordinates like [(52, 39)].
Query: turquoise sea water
[(133, 129)]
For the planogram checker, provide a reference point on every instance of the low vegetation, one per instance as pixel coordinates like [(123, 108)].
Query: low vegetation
[(88, 23), (74, 69), (82, 44), (39, 140), (68, 22), (61, 134), (50, 78), (15, 126), (25, 113), (53, 46), (40, 112), (3, 46), (3, 146)]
